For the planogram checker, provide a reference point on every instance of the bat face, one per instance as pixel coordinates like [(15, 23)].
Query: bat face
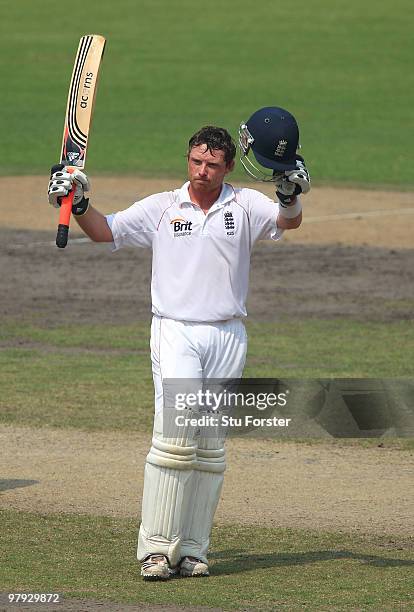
[(81, 100)]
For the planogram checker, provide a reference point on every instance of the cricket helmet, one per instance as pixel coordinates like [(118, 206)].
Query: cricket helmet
[(273, 135)]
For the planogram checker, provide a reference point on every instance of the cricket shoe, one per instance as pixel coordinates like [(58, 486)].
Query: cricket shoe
[(156, 567), (190, 567)]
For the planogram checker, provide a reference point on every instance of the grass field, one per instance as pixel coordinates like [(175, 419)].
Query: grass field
[(318, 571), (343, 69)]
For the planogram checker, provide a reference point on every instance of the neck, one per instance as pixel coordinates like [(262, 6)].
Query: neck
[(204, 199)]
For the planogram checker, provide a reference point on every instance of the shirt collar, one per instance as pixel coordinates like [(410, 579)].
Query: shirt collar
[(226, 195)]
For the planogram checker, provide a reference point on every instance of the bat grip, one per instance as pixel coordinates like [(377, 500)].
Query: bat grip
[(64, 218)]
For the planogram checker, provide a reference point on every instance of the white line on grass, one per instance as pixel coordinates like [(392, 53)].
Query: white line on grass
[(360, 215)]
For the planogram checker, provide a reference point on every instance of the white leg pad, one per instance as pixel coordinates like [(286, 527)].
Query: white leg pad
[(168, 484), (207, 483), (213, 460), (171, 455)]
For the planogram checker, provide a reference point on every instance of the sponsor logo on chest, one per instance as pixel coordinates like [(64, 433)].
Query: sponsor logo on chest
[(181, 227)]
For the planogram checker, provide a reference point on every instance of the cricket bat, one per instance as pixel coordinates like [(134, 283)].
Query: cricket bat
[(78, 119)]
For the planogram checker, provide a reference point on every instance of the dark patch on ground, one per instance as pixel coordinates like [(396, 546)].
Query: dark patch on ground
[(87, 283), (13, 483)]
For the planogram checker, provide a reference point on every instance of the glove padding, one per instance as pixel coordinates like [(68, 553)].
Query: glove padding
[(291, 183), (62, 182)]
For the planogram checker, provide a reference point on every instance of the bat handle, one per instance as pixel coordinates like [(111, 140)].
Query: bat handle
[(64, 218)]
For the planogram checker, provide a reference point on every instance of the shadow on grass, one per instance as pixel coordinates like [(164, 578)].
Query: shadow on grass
[(237, 561)]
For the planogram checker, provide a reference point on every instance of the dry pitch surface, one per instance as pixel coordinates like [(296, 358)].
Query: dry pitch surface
[(352, 257)]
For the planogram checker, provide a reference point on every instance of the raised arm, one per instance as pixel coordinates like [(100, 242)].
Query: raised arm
[(94, 224), (90, 220), (289, 185), (287, 224)]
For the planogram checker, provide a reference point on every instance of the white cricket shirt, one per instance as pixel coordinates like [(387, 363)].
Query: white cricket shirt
[(200, 262)]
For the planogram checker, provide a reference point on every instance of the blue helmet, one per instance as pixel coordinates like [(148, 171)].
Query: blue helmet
[(273, 135)]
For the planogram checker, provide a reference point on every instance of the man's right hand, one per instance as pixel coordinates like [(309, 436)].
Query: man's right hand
[(61, 183)]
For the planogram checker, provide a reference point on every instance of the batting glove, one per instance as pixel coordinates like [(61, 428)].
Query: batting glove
[(291, 183), (62, 182)]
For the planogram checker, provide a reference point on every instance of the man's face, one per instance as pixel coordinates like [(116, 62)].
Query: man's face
[(206, 170)]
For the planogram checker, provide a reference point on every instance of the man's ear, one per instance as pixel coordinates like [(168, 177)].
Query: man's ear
[(230, 166)]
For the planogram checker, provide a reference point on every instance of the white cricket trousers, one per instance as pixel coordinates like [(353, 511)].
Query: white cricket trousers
[(184, 473)]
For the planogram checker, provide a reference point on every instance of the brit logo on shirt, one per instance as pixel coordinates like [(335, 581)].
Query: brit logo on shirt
[(229, 223), (181, 227)]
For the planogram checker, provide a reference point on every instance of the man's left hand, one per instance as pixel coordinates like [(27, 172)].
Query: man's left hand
[(291, 183)]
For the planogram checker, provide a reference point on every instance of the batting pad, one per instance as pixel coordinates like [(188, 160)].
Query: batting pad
[(208, 479), (213, 460), (172, 455), (168, 483)]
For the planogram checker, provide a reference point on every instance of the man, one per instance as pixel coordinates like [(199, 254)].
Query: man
[(201, 236)]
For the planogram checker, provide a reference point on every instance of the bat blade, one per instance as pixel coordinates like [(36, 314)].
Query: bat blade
[(78, 119), (81, 100)]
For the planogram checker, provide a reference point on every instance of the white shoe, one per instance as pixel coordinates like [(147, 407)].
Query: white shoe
[(156, 567), (190, 567)]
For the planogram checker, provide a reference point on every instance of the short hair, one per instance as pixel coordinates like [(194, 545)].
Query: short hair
[(215, 138)]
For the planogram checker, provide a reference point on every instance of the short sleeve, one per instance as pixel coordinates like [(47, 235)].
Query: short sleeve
[(263, 213), (135, 226)]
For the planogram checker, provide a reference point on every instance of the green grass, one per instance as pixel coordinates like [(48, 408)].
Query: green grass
[(99, 377), (344, 69), (333, 348), (124, 337), (262, 568), (93, 391)]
